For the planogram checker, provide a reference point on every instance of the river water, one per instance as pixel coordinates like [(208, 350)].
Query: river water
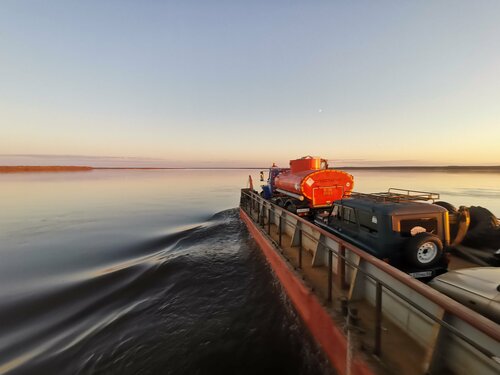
[(151, 272)]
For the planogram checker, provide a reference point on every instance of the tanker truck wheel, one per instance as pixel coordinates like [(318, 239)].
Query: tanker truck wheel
[(448, 206), (280, 202), (290, 206), (424, 250)]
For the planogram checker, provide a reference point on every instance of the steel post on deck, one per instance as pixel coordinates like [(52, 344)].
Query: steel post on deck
[(300, 245), (330, 274), (269, 221), (341, 267), (280, 229), (258, 213), (378, 321)]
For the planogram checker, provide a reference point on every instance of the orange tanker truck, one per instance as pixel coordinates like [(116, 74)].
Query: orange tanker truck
[(308, 185)]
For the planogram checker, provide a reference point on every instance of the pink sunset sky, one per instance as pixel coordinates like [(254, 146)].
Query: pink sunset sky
[(249, 83)]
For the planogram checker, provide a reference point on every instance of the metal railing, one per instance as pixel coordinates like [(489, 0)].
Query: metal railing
[(398, 195), (251, 202)]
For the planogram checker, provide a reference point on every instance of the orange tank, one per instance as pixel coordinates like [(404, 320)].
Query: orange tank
[(310, 177)]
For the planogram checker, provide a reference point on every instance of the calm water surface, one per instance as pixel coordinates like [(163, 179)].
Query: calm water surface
[(151, 272)]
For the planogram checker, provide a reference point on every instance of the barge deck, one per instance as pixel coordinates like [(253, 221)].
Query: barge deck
[(368, 317)]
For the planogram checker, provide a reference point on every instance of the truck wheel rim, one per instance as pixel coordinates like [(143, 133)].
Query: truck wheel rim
[(427, 252)]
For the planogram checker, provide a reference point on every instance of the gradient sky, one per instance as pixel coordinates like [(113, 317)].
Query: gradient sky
[(251, 82)]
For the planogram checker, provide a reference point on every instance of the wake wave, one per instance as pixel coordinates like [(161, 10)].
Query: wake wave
[(197, 300), (66, 309)]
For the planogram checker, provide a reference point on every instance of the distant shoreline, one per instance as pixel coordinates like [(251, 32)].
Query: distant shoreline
[(62, 168), (36, 168)]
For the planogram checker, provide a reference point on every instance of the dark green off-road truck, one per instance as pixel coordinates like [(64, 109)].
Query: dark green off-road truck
[(411, 230)]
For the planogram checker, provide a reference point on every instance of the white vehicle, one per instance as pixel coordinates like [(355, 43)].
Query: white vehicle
[(477, 288)]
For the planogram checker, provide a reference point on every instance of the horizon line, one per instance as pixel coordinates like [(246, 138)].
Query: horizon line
[(34, 168)]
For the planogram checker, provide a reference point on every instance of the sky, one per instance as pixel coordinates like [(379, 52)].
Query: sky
[(248, 83)]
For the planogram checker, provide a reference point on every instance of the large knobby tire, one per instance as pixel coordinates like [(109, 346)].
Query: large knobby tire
[(484, 230), (448, 206), (480, 216), (424, 250)]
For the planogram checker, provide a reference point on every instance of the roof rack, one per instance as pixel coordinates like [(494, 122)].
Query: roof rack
[(398, 195)]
